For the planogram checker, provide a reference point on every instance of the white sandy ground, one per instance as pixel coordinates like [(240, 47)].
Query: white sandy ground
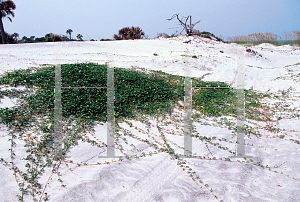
[(157, 177)]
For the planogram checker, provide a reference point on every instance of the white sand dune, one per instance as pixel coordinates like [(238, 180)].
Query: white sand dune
[(157, 177)]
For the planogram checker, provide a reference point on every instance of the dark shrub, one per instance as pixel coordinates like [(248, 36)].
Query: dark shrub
[(65, 38), (53, 37), (210, 36), (10, 38), (129, 33), (42, 39)]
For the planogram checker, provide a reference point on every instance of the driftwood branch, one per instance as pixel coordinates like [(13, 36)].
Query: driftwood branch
[(193, 25), (187, 28)]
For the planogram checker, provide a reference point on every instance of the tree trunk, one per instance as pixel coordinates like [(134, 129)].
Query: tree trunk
[(4, 41)]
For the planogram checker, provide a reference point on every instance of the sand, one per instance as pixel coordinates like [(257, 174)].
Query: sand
[(158, 177)]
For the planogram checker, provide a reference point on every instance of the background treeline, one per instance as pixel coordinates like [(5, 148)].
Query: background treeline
[(132, 33)]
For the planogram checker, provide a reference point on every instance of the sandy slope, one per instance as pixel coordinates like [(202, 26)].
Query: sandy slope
[(158, 177)]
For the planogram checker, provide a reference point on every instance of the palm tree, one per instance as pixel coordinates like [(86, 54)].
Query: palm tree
[(6, 8), (79, 37), (69, 32)]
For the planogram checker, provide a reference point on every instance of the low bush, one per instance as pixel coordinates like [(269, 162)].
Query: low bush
[(206, 36), (47, 38), (10, 38), (53, 37), (41, 39), (129, 33)]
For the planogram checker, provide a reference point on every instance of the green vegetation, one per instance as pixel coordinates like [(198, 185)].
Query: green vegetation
[(135, 91), (152, 94), (47, 38), (137, 95), (50, 37), (193, 56), (132, 89), (207, 36), (275, 43)]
